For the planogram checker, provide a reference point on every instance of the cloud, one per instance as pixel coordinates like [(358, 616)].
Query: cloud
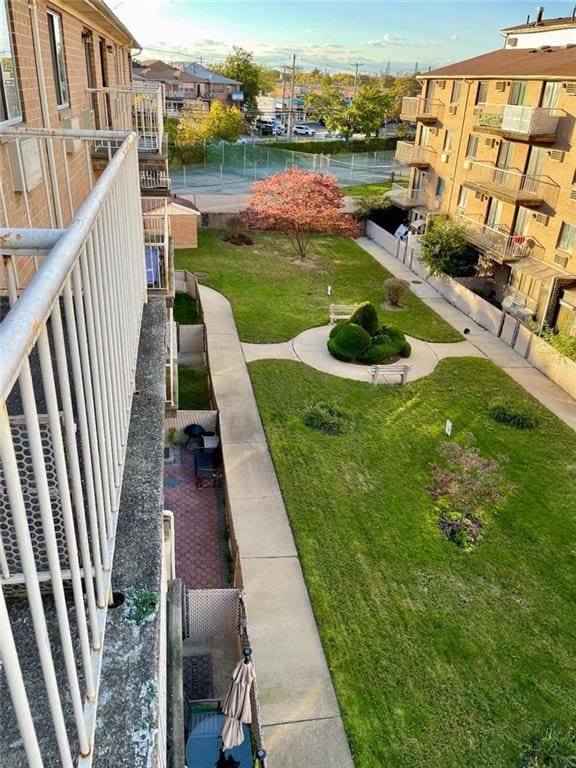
[(454, 38), (309, 31), (388, 41)]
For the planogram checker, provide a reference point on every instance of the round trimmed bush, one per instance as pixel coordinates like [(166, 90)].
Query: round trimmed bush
[(388, 344), (366, 316), (348, 341)]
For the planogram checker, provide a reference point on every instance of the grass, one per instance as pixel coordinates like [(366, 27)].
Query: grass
[(441, 658), (275, 296), (185, 309), (366, 190), (193, 390)]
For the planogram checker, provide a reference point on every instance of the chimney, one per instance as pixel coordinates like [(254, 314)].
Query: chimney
[(539, 14)]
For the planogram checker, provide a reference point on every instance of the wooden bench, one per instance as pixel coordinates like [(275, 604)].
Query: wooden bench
[(398, 369), (341, 312)]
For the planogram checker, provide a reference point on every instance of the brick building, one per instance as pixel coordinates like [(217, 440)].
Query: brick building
[(495, 149)]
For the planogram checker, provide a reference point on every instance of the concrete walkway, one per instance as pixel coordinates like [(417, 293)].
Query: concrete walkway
[(299, 711), (517, 367), (310, 347)]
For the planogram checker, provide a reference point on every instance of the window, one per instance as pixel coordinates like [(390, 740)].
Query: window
[(482, 93), (567, 238), (424, 135), (9, 101), (440, 186), (58, 62), (448, 141), (456, 89), (551, 94), (517, 92), (472, 148), (462, 197)]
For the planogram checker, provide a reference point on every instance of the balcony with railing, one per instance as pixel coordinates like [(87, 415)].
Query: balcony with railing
[(409, 197), (413, 155), (157, 247), (511, 186), (138, 108), (418, 108), (512, 121), (497, 243), (70, 341)]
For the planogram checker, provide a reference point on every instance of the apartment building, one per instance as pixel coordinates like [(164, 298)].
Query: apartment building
[(495, 149), (84, 345)]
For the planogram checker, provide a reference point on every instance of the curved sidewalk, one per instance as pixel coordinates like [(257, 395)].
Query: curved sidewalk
[(310, 347), (299, 710)]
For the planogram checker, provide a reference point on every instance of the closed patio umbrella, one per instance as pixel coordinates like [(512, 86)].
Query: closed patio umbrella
[(237, 707)]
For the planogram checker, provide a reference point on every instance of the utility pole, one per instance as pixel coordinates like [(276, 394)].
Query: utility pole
[(291, 110), (283, 110), (355, 80)]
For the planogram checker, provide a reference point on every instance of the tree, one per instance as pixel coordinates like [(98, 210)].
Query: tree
[(402, 86), (298, 203), (369, 109), (446, 251), (240, 65), (328, 106), (219, 124)]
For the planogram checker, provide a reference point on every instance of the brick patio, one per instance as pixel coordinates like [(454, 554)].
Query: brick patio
[(199, 526)]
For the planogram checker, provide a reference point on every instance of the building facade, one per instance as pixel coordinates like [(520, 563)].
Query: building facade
[(494, 149)]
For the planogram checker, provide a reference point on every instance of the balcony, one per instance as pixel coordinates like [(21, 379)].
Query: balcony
[(406, 198), (496, 242), (70, 345), (154, 181), (418, 108), (413, 155), (138, 108), (537, 124), (511, 186), (157, 247)]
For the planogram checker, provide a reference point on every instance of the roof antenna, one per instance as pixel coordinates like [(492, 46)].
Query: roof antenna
[(528, 19), (574, 13), (539, 14)]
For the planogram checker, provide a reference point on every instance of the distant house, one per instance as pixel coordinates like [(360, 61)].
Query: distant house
[(216, 86)]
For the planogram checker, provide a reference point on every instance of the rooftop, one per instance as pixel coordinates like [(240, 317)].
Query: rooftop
[(505, 63), (535, 26)]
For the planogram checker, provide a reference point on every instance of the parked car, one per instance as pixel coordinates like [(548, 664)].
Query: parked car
[(335, 136), (304, 130)]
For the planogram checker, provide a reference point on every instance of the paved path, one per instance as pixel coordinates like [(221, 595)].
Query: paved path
[(300, 715), (310, 347), (517, 367)]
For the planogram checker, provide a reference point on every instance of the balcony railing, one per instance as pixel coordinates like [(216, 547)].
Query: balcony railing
[(511, 186), (407, 197), (496, 242), (69, 350), (138, 108), (517, 121), (418, 108), (409, 153), (156, 225), (152, 180)]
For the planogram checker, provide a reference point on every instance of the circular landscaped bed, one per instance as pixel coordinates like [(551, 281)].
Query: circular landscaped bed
[(363, 340)]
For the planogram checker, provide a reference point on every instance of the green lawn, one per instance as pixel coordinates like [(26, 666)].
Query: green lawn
[(193, 390), (275, 296), (185, 309), (365, 190), (441, 658)]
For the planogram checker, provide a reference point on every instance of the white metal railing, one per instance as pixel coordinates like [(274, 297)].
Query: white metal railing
[(410, 197), (518, 185), (150, 178), (138, 108), (171, 360), (414, 107), (156, 226), (69, 346), (408, 152), (512, 118), (498, 242)]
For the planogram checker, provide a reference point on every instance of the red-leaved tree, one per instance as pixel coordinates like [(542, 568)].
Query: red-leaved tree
[(299, 203)]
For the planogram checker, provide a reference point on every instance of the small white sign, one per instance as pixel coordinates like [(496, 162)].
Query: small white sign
[(448, 427), (329, 290)]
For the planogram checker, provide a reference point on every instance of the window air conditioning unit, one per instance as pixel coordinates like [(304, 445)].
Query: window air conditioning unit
[(479, 196), (477, 111), (86, 120), (557, 154), (489, 142), (441, 83), (444, 157), (542, 218), (500, 85), (571, 88), (25, 164), (452, 109), (560, 261), (434, 131), (72, 145), (467, 164), (573, 194), (511, 42)]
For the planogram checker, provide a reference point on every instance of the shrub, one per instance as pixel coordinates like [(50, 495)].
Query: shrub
[(389, 343), (446, 251), (512, 415), (349, 342), (235, 232), (394, 290), (366, 317), (324, 417), (554, 749)]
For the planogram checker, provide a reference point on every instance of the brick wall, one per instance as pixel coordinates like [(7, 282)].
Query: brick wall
[(184, 230)]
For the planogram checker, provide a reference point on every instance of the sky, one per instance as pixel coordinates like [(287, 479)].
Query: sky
[(328, 34)]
